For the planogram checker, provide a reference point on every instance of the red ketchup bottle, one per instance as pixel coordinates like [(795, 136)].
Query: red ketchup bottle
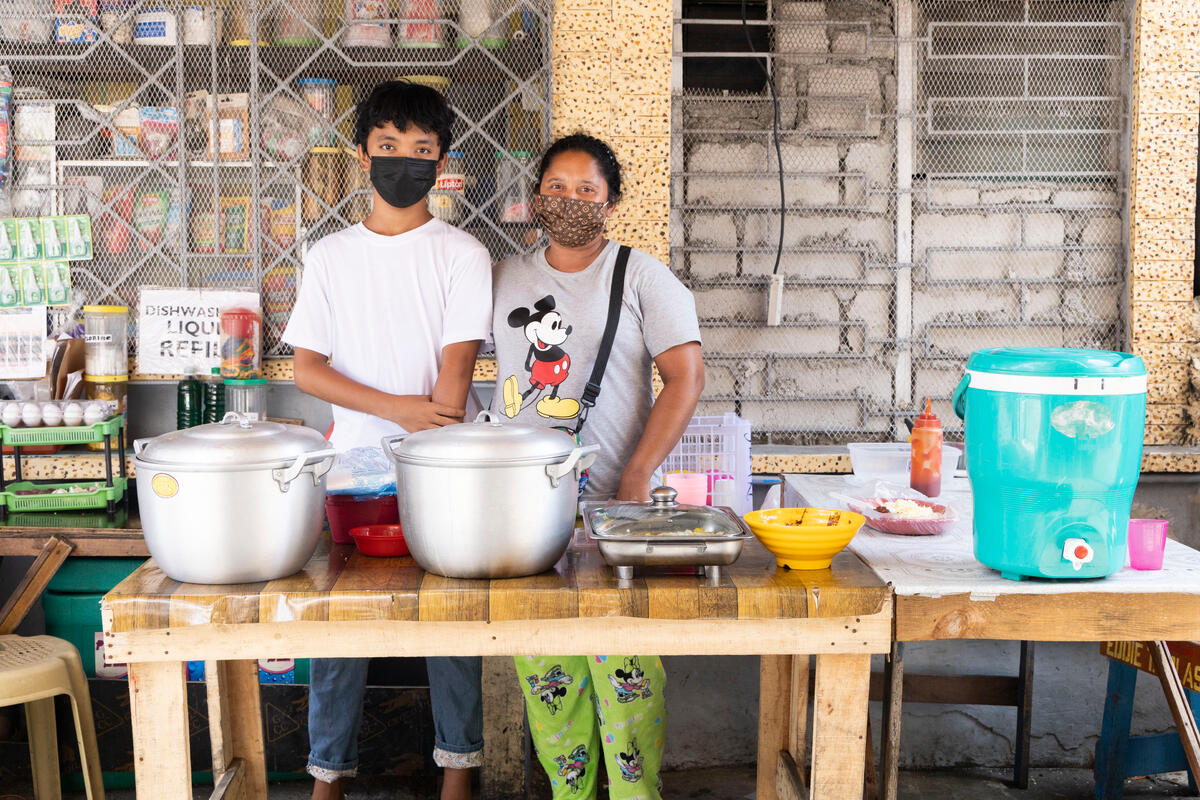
[(926, 472)]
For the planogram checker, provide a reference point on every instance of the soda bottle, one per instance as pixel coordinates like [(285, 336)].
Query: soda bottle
[(187, 403)]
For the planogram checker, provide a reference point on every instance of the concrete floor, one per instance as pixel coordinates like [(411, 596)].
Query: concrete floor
[(737, 783)]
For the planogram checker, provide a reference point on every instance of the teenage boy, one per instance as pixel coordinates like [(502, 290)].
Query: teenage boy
[(386, 328)]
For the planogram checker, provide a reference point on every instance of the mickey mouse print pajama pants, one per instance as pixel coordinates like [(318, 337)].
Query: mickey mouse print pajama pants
[(586, 708)]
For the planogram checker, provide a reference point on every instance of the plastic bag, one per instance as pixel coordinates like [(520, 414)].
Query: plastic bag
[(361, 470), (898, 509)]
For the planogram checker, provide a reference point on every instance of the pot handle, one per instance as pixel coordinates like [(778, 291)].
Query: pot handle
[(139, 445), (579, 459), (387, 442), (234, 416), (487, 416), (322, 458)]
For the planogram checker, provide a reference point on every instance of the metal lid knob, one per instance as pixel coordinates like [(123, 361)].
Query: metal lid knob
[(663, 496)]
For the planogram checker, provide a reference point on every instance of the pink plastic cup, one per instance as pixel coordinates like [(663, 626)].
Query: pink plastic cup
[(692, 487), (1147, 540)]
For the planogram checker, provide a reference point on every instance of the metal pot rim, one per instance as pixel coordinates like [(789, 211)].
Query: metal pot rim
[(532, 461), (248, 466)]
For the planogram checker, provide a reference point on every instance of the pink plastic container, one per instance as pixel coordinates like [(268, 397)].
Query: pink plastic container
[(346, 511), (692, 487), (1147, 540)]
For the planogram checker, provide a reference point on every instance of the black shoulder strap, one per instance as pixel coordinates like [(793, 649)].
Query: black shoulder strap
[(615, 293)]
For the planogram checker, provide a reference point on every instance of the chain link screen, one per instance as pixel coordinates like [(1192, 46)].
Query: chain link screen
[(212, 144), (955, 177)]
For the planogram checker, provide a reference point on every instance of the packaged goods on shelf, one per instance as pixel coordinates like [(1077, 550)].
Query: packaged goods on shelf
[(236, 230), (116, 19), (127, 121), (420, 28), (76, 21), (115, 223), (279, 288), (285, 128), (367, 34), (150, 216), (299, 23), (154, 26), (26, 21), (233, 127), (158, 131), (202, 24), (281, 216)]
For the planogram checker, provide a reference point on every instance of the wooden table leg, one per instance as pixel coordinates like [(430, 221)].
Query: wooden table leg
[(236, 726), (893, 700), (840, 703), (1024, 716), (1108, 776), (1178, 703), (798, 733), (34, 583), (774, 719), (162, 758)]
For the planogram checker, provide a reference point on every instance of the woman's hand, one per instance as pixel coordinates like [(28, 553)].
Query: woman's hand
[(634, 488), (417, 413)]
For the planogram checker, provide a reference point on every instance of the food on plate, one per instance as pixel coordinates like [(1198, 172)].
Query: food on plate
[(903, 508)]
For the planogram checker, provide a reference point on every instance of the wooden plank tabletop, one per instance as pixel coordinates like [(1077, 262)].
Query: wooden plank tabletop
[(90, 533), (339, 583)]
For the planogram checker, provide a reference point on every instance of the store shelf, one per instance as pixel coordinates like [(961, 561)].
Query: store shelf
[(104, 60), (125, 163)]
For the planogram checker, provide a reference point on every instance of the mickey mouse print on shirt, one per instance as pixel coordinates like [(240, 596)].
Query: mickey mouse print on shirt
[(547, 363)]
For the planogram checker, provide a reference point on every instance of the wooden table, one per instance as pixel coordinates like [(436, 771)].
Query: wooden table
[(346, 604), (50, 537), (943, 592)]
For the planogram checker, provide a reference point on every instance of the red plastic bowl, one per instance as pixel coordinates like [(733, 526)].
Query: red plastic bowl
[(347, 511), (907, 527), (380, 540)]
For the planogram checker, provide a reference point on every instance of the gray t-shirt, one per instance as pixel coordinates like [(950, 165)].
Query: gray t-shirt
[(547, 327)]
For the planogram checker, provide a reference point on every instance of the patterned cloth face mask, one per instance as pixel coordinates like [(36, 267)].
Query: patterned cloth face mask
[(569, 222)]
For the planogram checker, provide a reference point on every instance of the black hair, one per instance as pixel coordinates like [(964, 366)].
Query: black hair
[(403, 103), (600, 152)]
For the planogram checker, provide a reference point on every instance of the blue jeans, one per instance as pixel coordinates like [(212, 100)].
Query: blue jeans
[(335, 706)]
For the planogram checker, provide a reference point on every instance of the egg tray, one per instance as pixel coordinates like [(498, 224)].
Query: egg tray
[(61, 435), (102, 496)]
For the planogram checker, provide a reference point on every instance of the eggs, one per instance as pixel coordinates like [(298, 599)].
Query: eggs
[(95, 412), (10, 414), (31, 414), (72, 414), (52, 414)]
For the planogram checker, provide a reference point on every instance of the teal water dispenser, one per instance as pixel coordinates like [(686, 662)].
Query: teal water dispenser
[(1053, 453)]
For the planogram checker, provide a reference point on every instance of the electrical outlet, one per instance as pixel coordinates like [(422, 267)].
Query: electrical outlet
[(775, 300)]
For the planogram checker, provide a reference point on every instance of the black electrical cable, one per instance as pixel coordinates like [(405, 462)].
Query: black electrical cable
[(775, 131)]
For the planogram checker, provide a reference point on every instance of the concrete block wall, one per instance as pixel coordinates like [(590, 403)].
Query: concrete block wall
[(819, 371), (1166, 110)]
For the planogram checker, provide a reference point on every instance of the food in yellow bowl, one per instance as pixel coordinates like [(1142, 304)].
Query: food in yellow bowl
[(804, 538)]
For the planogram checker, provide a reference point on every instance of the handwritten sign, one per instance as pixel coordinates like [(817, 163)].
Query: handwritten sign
[(179, 330), (1186, 656)]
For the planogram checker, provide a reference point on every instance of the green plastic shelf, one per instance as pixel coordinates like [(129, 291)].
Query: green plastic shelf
[(78, 434), (99, 497)]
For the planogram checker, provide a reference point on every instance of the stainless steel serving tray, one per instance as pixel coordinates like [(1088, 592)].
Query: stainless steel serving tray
[(667, 536)]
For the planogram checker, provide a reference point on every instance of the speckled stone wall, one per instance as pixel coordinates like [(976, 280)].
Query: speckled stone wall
[(1166, 107), (612, 79)]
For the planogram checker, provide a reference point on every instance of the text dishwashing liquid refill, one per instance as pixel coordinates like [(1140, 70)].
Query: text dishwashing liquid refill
[(925, 475)]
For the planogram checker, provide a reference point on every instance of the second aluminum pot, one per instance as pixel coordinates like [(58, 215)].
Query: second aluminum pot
[(485, 499)]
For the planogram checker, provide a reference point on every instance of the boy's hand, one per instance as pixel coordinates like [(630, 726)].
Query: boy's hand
[(417, 413)]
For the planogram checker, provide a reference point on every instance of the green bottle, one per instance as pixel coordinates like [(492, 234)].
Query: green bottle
[(188, 403), (214, 397)]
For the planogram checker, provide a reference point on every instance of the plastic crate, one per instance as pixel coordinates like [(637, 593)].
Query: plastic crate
[(77, 434), (100, 497), (718, 446)]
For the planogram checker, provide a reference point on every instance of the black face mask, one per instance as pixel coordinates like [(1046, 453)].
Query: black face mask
[(402, 181)]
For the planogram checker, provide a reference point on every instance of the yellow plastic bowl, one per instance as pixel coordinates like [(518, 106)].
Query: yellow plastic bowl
[(804, 538)]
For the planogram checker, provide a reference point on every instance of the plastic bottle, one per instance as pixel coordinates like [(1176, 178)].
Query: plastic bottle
[(214, 397), (926, 471), (187, 403)]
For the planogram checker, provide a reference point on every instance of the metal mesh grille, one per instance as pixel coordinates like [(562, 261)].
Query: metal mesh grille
[(124, 129), (955, 179)]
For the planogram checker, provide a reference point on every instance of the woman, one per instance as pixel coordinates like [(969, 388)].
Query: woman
[(551, 311)]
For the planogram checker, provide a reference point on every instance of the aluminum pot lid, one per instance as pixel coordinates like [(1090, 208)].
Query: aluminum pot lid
[(663, 517), (487, 440), (234, 442)]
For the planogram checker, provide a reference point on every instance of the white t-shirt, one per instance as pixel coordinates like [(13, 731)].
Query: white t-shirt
[(383, 307)]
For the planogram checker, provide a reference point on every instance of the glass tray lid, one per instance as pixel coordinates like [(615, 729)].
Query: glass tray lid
[(661, 518)]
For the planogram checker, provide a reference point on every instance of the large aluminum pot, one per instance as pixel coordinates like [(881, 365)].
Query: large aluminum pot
[(232, 502), (486, 500)]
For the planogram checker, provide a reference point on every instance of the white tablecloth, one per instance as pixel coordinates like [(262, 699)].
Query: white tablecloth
[(944, 564)]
